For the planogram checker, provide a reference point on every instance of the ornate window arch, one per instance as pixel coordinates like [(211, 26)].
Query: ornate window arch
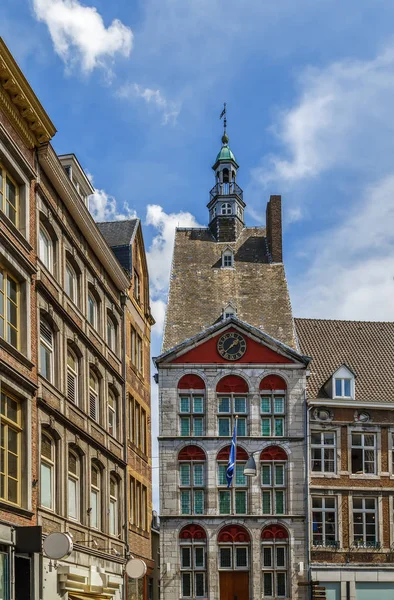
[(274, 475), (273, 406), (275, 561), (232, 391), (234, 548), (191, 392), (232, 500), (193, 561), (192, 480)]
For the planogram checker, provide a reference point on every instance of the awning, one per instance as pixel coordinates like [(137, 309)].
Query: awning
[(73, 596)]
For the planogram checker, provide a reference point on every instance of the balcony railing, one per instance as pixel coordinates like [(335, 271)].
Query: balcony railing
[(367, 544), (325, 544), (226, 189)]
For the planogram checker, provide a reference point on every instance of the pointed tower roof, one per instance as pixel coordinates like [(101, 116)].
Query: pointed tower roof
[(225, 153)]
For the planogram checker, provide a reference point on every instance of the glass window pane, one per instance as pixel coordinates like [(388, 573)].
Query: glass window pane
[(199, 502), (198, 423), (184, 471), (265, 405), (222, 474), (94, 505), (241, 427), (239, 405), (280, 557), (185, 404), (279, 405), (224, 502), (266, 503), (199, 554), (279, 474), (46, 485), (241, 557), (265, 427), (267, 556), (224, 426), (225, 558), (224, 405), (240, 478), (72, 498), (198, 405), (199, 585), (268, 588), (240, 502), (338, 387), (198, 474), (347, 387), (185, 426), (186, 585), (266, 474), (279, 502), (186, 557), (185, 502), (279, 426), (281, 584)]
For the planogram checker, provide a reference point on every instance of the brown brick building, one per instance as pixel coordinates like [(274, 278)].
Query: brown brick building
[(351, 476), (126, 241)]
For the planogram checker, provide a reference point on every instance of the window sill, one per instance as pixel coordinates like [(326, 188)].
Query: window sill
[(139, 452), (15, 231), (16, 353), (23, 512), (322, 475), (138, 531), (364, 476)]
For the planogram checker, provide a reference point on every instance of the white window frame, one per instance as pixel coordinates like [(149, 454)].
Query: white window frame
[(49, 348), (72, 374), (322, 446), (342, 394), (228, 257), (364, 449), (76, 479), (112, 413), (325, 510), (111, 333), (71, 276), (44, 237), (364, 543), (92, 309), (94, 393), (95, 491), (50, 465)]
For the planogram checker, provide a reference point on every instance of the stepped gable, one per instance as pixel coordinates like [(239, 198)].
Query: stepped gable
[(366, 347), (200, 289)]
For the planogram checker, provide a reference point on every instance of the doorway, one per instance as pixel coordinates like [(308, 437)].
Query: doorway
[(234, 585)]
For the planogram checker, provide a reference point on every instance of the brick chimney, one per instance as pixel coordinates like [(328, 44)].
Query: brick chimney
[(274, 227)]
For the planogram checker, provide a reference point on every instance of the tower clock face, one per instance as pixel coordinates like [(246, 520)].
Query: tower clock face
[(232, 345)]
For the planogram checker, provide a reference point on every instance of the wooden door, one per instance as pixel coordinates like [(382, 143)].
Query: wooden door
[(234, 585)]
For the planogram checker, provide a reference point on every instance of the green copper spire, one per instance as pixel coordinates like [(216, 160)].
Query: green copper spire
[(225, 153)]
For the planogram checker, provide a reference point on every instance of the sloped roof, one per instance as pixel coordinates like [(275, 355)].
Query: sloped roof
[(366, 347), (118, 233), (200, 288)]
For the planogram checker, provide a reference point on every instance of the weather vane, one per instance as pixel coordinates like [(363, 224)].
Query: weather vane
[(224, 114)]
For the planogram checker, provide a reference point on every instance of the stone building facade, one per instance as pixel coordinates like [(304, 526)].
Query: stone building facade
[(229, 355), (351, 474)]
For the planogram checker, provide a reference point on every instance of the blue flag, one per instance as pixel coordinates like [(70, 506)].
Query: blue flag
[(232, 458)]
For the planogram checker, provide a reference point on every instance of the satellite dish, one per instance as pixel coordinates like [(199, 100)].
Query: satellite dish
[(135, 568), (58, 545)]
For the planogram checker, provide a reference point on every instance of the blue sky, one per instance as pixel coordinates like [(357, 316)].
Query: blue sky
[(135, 89)]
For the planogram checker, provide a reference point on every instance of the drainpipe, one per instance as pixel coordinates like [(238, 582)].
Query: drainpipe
[(123, 300), (307, 499)]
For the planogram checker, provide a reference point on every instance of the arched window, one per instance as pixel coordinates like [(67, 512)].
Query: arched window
[(112, 413), (191, 390), (228, 259), (273, 480), (234, 500), (227, 208), (74, 485), (95, 496), (113, 505), (234, 546), (111, 333), (273, 406), (274, 552), (192, 478), (72, 376), (94, 408), (11, 448), (193, 560), (46, 350), (226, 176), (47, 472), (93, 308), (232, 393), (71, 282), (45, 248)]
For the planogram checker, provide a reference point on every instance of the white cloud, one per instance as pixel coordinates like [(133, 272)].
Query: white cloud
[(103, 208), (78, 33), (169, 109), (158, 308), (344, 111), (352, 273)]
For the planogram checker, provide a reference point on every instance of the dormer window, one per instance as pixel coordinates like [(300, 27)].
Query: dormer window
[(229, 311), (343, 388), (227, 208), (228, 259), (342, 383)]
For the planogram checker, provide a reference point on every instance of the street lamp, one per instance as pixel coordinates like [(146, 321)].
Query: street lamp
[(250, 469)]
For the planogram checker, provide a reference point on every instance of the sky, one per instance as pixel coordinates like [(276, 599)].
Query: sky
[(135, 90)]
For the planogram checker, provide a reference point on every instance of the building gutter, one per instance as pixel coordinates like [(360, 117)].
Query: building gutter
[(307, 492), (123, 299)]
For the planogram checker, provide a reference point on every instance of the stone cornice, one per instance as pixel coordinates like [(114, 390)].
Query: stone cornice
[(20, 103), (81, 215)]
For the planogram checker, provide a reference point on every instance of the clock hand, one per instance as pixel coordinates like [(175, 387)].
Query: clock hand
[(232, 345)]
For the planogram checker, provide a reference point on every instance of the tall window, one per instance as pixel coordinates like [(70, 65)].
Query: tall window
[(71, 283), (191, 414), (274, 554), (324, 519), (94, 408), (192, 548), (364, 453), (343, 388), (138, 425), (229, 407), (9, 196), (10, 446), (95, 497), (136, 350), (365, 519), (46, 351), (192, 480), (137, 287), (323, 451), (273, 480), (226, 209), (138, 504), (9, 308), (45, 248), (47, 472), (112, 413), (272, 406), (111, 333), (72, 376), (92, 309), (234, 542), (232, 500), (74, 485), (113, 506)]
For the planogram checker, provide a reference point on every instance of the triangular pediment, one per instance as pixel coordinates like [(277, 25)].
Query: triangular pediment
[(232, 342)]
